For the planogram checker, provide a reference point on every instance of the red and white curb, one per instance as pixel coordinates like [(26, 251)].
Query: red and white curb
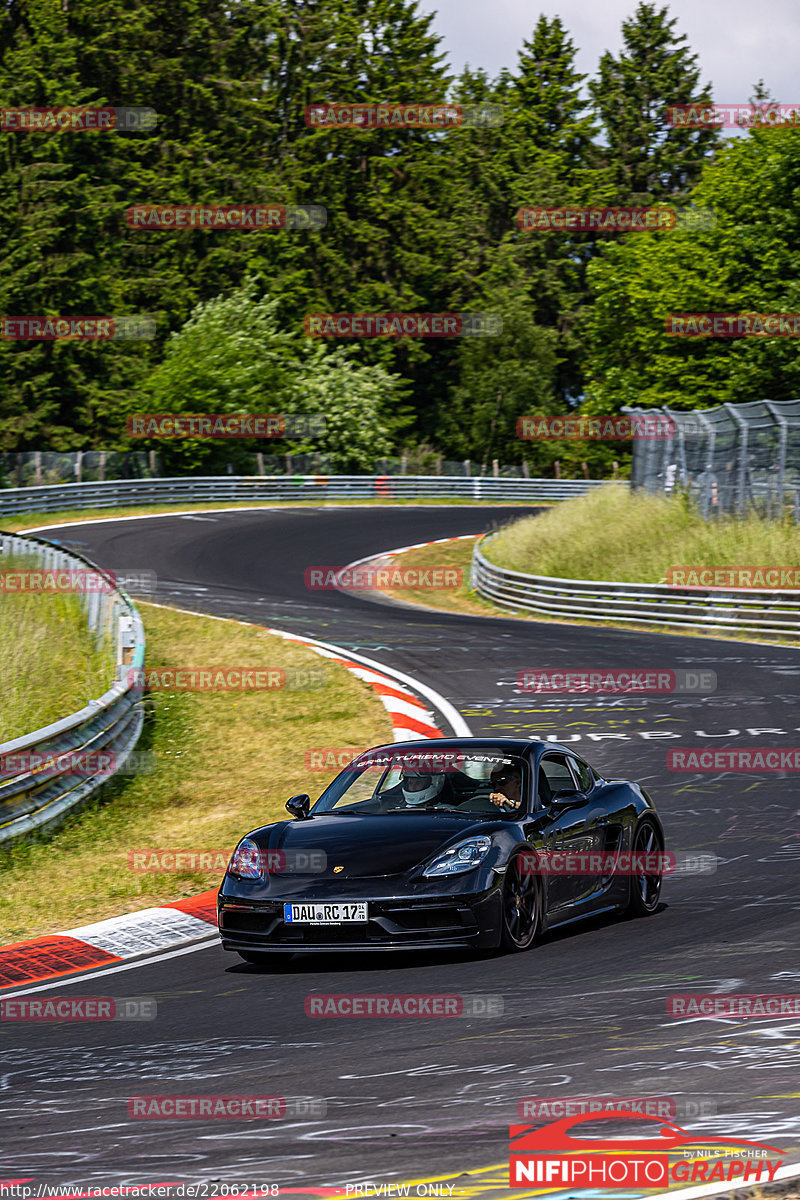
[(409, 716), (166, 926), (106, 942), (384, 559)]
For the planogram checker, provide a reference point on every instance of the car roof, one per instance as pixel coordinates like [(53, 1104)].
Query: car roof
[(529, 748)]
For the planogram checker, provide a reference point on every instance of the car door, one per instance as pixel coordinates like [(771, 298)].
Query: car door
[(571, 830)]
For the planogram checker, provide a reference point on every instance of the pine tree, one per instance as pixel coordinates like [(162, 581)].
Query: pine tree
[(649, 159)]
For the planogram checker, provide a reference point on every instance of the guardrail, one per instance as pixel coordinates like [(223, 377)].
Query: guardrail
[(645, 603), (36, 798), (266, 488)]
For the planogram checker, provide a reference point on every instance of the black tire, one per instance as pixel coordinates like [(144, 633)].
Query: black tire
[(646, 888), (521, 917)]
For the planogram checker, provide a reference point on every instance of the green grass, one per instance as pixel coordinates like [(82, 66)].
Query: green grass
[(52, 665), (464, 600), (612, 534), (226, 762)]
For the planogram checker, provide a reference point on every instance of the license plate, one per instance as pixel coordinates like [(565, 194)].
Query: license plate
[(324, 914)]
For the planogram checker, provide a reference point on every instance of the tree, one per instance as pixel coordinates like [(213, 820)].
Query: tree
[(748, 263), (501, 379), (650, 160), (546, 157), (232, 356), (66, 246)]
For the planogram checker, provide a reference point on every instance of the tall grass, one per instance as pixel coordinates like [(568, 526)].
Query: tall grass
[(50, 664), (634, 537)]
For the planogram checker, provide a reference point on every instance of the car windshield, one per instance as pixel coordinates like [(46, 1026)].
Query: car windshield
[(475, 782)]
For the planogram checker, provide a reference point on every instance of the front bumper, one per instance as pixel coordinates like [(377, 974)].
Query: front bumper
[(395, 923)]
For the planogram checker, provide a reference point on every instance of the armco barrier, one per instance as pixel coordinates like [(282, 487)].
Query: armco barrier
[(266, 488), (112, 723), (774, 612)]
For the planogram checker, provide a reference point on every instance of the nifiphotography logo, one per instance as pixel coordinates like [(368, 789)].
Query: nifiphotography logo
[(550, 1156)]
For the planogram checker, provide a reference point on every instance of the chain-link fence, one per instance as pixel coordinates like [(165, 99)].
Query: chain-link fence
[(736, 458)]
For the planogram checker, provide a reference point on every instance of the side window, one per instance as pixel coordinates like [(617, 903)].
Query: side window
[(554, 774), (582, 773)]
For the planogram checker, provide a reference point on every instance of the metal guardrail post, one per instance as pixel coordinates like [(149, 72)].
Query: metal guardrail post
[(783, 433), (743, 427)]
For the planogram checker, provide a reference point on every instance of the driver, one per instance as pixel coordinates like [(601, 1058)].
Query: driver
[(421, 789), (506, 783)]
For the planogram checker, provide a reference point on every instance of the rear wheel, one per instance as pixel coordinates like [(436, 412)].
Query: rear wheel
[(646, 885), (521, 907)]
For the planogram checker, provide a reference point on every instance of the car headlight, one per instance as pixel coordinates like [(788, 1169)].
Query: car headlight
[(246, 860), (462, 857)]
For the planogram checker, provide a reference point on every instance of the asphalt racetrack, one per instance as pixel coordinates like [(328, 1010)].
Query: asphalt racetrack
[(584, 1011)]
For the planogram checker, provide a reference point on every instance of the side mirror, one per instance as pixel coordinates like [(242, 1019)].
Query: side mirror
[(565, 798), (298, 806)]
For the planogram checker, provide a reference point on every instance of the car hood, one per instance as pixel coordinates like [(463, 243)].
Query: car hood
[(365, 845)]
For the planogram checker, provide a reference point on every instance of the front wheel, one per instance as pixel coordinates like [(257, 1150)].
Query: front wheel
[(646, 885), (521, 907)]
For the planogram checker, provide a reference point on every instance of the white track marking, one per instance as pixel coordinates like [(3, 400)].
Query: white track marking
[(244, 508)]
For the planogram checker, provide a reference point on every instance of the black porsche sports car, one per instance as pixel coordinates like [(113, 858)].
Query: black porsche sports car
[(462, 842)]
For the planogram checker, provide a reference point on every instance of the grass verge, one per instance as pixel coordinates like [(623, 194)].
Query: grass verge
[(52, 664), (633, 537), (226, 762), (463, 600)]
